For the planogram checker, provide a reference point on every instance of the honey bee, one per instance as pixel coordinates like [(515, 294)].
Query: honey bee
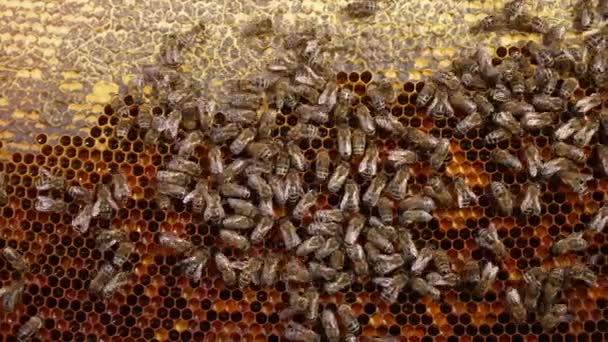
[(532, 158), (29, 329), (388, 123), (362, 9), (484, 106), (397, 187), (439, 191), (338, 177), (576, 180), (308, 93), (123, 127), (351, 198), (123, 252), (488, 276), (581, 272), (423, 288), (3, 194), (557, 314), (488, 238), (500, 93), (238, 222), (438, 280), (408, 247), (372, 194), (386, 263), (503, 198), (424, 257), (316, 114), (312, 295), (172, 190), (198, 197), (310, 245), (298, 160), (82, 220), (336, 259), (234, 190), (50, 205), (546, 103), (259, 185), (328, 246), (293, 187), (224, 133), (330, 325), (353, 229), (587, 103), (241, 208), (290, 237), (121, 188), (497, 136), (282, 163), (464, 195), (533, 287), (584, 15), (391, 286), (296, 271), (399, 157), (507, 121), (180, 164), (442, 263), (602, 154), (518, 311), (298, 332), (379, 240), (440, 153), (279, 192), (572, 243), (368, 167), (568, 129), (320, 271), (305, 203), (365, 119), (568, 151), (421, 139), (50, 180), (224, 266), (341, 281), (385, 210), (600, 219), (344, 142), (530, 205), (535, 121), (10, 296), (250, 272), (585, 134), (270, 270), (101, 279), (415, 216), (507, 159), (356, 254), (242, 140), (471, 272), (371, 251), (441, 107), (192, 266), (297, 305), (555, 166), (174, 242), (261, 230), (322, 166), (418, 202), (552, 286), (471, 121), (234, 239), (328, 215)]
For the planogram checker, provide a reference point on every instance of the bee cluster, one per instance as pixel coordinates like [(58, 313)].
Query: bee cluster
[(328, 200)]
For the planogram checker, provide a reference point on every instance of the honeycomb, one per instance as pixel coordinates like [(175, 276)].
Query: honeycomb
[(159, 304)]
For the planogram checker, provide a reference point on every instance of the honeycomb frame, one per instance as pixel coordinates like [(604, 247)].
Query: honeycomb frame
[(160, 305)]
